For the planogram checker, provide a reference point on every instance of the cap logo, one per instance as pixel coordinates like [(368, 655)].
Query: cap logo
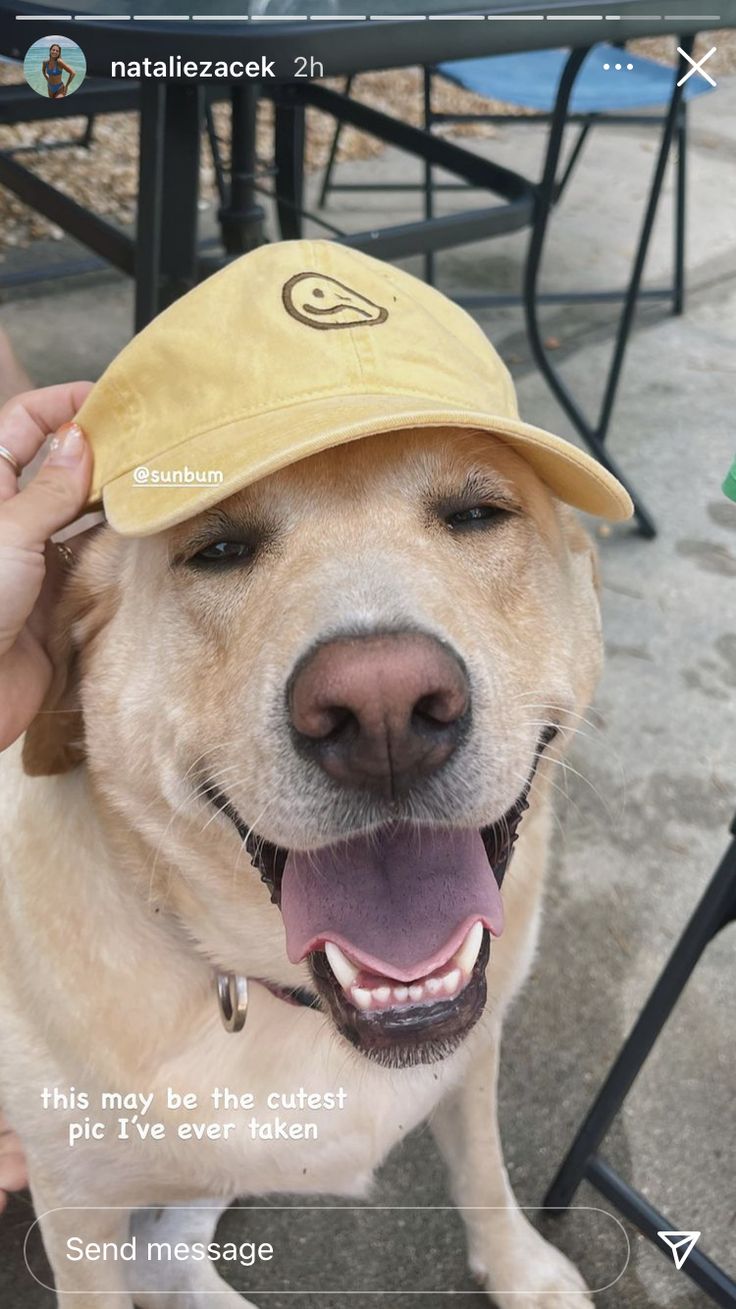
[(324, 303)]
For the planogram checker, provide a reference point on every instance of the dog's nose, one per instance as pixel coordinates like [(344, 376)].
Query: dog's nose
[(380, 712)]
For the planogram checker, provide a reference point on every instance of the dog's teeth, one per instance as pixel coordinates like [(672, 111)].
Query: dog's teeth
[(385, 996), (361, 997), (344, 971), (469, 950)]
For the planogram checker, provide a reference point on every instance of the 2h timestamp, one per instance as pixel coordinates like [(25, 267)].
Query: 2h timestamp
[(304, 67)]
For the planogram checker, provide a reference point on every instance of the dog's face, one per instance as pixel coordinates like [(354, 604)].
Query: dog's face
[(342, 678)]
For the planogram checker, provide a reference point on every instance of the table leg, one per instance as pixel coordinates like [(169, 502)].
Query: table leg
[(241, 220), (429, 260), (148, 241), (289, 155), (166, 253)]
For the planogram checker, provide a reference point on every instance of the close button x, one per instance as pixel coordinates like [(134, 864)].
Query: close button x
[(697, 66)]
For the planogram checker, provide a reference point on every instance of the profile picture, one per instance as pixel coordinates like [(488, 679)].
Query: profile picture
[(55, 67)]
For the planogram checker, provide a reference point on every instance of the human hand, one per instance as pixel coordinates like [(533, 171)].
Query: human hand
[(30, 569)]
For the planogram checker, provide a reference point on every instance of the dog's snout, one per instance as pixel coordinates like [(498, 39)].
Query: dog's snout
[(380, 712)]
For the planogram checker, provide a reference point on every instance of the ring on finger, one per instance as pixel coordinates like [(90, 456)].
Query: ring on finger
[(10, 458)]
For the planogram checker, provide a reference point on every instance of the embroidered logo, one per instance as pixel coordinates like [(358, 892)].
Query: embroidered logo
[(324, 303)]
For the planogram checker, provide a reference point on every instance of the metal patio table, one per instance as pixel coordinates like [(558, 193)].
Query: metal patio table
[(343, 37)]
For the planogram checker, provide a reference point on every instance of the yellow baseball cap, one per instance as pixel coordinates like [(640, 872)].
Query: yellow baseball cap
[(297, 347)]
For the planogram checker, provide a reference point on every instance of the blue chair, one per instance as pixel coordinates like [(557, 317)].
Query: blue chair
[(613, 86)]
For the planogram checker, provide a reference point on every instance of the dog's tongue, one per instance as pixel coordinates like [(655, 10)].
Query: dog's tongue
[(399, 901)]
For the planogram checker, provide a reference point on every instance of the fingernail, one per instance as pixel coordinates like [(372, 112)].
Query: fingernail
[(67, 447)]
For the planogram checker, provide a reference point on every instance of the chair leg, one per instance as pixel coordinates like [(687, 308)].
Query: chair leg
[(332, 158), (545, 201), (678, 299), (429, 263), (574, 156), (718, 1286), (594, 436), (632, 295), (716, 909)]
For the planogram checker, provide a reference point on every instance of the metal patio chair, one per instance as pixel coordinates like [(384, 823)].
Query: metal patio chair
[(599, 92), (612, 87), (583, 1162)]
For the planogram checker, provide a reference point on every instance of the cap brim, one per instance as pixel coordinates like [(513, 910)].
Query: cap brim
[(203, 470)]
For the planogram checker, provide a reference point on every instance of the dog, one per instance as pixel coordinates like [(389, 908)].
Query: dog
[(343, 691)]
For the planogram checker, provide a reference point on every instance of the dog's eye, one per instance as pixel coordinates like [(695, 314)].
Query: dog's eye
[(223, 552), (476, 516)]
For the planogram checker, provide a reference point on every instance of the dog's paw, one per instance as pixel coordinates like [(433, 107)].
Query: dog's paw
[(180, 1287), (520, 1270)]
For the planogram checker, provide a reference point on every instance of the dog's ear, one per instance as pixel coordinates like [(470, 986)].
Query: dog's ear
[(54, 741)]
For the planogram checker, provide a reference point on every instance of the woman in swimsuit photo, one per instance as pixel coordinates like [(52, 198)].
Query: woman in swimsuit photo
[(53, 70)]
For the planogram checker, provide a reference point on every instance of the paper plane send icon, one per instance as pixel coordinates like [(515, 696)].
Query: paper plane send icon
[(681, 1244)]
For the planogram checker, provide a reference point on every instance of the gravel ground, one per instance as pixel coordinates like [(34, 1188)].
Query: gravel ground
[(105, 177)]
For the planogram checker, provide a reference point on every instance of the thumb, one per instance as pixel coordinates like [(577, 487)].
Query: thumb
[(57, 494)]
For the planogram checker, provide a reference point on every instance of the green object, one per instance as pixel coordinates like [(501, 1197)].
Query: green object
[(729, 486)]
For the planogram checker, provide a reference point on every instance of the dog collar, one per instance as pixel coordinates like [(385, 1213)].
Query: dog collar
[(292, 994), (232, 998)]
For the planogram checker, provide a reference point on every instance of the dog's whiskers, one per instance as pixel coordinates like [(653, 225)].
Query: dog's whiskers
[(523, 698), (195, 793), (565, 727), (615, 759), (567, 768), (564, 793), (250, 833), (221, 745)]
